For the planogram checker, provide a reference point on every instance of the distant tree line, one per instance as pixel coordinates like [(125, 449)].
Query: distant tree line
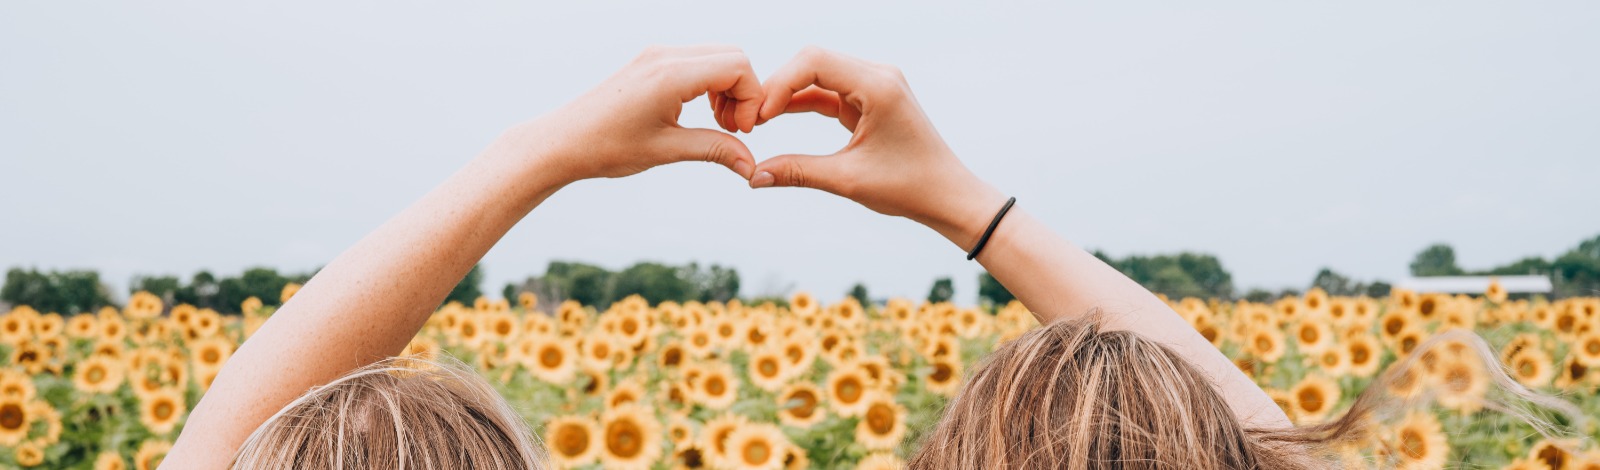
[(1575, 272), (657, 282)]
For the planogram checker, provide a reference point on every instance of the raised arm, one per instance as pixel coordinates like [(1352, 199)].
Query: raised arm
[(372, 299), (896, 164)]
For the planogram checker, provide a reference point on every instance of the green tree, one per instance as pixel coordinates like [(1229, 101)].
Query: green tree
[(65, 292), (990, 290), (165, 287), (719, 284), (1335, 284), (655, 282), (943, 290), (585, 283), (859, 292), (1436, 260)]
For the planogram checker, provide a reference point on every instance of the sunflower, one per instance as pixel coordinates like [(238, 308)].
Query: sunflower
[(628, 391), (552, 360), (595, 383), (1266, 344), (794, 458), (82, 326), (1586, 349), (16, 417), (110, 460), (631, 437), (98, 374), (573, 440), (502, 326), (671, 355), (1573, 375), (883, 423), (1532, 367), (700, 341), (680, 430), (599, 352), (527, 300), (1461, 383), (1495, 292), (1333, 362), (881, 461), (31, 356), (847, 390), (714, 437), (1313, 334), (1517, 344), (1314, 397), (756, 335), (150, 454), (112, 328), (716, 387), (759, 446), (210, 353), (1408, 341), (803, 304), (205, 323), (1392, 324), (15, 384), (1363, 352), (768, 370), (160, 411), (1418, 442), (689, 457), (798, 405), (29, 454), (142, 305), (1552, 454), (945, 376)]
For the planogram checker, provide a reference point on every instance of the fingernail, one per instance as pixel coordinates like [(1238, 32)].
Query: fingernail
[(742, 168), (762, 180)]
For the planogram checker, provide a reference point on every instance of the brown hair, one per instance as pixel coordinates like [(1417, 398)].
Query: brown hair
[(1072, 395), (398, 413)]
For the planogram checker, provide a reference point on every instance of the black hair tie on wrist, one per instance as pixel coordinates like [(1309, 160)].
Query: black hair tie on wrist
[(984, 240)]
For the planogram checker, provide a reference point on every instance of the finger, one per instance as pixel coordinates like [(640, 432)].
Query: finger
[(728, 73), (824, 172), (728, 106), (815, 66), (707, 145), (716, 100)]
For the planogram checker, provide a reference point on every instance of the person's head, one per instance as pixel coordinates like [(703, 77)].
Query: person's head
[(1073, 395), (398, 413)]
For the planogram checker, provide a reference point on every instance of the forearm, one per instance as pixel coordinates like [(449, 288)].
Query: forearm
[(1058, 280), (373, 298)]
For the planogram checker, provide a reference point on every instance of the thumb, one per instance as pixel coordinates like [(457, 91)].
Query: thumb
[(824, 172), (706, 145)]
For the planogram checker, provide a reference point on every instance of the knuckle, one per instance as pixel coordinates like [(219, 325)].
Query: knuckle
[(812, 53), (794, 175), (716, 152)]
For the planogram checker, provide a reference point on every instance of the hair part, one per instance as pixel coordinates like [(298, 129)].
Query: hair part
[(401, 413)]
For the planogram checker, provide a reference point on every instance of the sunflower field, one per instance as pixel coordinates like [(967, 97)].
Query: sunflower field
[(806, 385)]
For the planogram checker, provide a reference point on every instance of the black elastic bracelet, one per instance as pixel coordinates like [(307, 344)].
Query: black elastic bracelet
[(984, 240)]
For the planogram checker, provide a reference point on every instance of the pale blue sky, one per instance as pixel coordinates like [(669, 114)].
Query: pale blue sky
[(1282, 137)]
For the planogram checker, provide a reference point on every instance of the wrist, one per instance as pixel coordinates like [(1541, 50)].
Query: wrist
[(964, 214)]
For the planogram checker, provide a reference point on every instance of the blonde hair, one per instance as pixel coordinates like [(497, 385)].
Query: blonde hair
[(402, 413), (1072, 395)]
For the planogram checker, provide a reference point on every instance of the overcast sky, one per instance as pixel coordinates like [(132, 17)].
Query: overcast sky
[(1282, 137)]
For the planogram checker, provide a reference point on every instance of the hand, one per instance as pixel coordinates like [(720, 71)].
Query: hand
[(629, 123), (895, 163)]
